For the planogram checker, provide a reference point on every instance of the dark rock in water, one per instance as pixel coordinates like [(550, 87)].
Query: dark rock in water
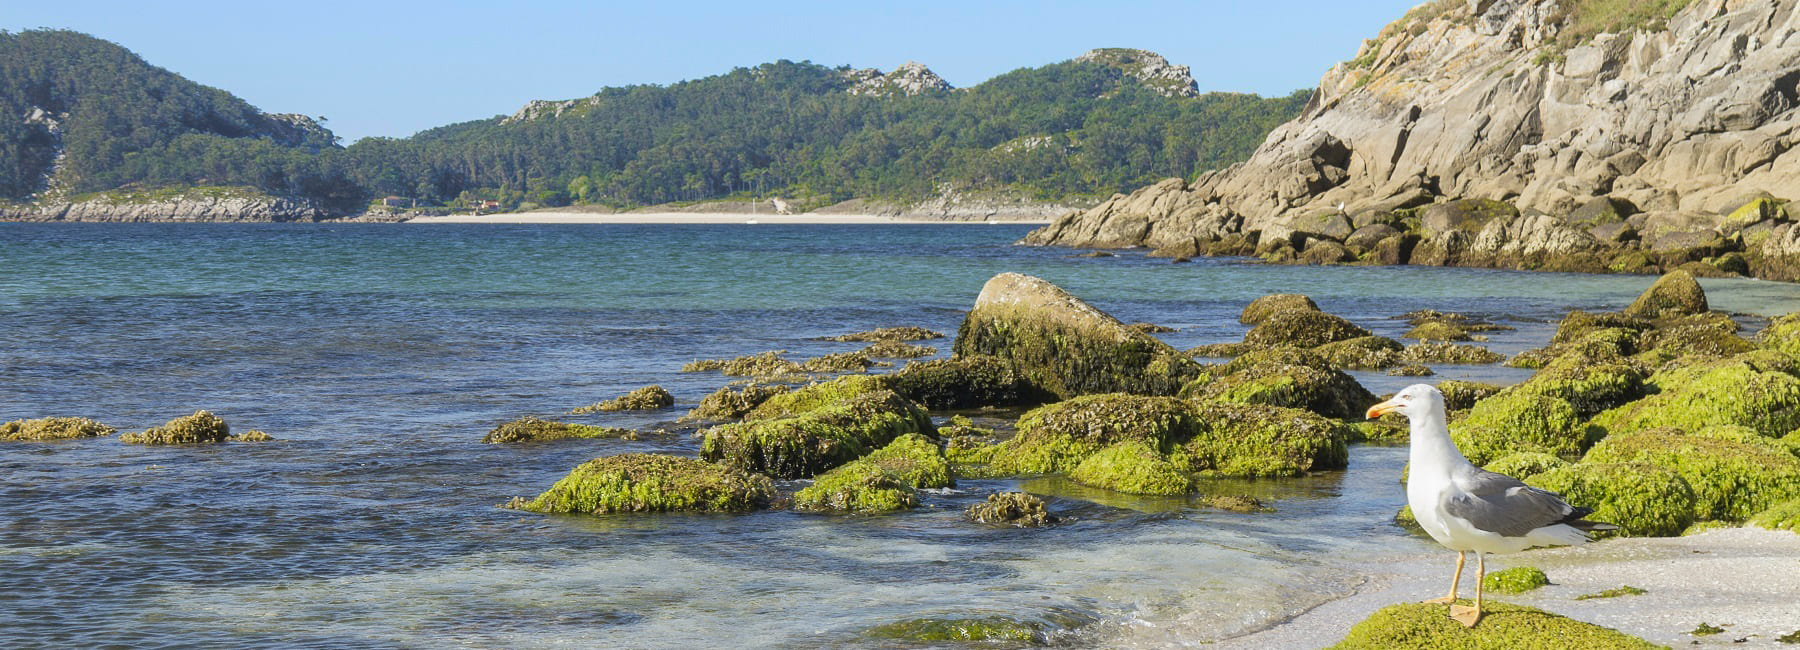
[(1096, 254), (1302, 328), (200, 427), (1152, 328), (1014, 508), (1235, 503), (1290, 377), (1262, 308), (58, 428), (816, 440), (529, 429), (961, 382), (839, 362), (1064, 347), (732, 402), (1425, 626), (1674, 294), (958, 629), (648, 398), (652, 483), (903, 333)]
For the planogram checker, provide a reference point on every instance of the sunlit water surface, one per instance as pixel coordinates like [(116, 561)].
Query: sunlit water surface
[(380, 355)]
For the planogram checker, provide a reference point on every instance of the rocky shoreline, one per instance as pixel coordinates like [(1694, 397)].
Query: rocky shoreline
[(198, 205), (1486, 135)]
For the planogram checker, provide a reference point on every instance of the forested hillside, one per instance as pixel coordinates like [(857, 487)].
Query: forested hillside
[(78, 114)]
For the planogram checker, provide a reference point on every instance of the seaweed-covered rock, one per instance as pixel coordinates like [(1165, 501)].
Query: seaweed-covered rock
[(530, 429), (1590, 341), (1437, 331), (814, 396), (817, 440), (961, 382), (1591, 384), (1516, 580), (1262, 308), (1411, 371), (1519, 420), (915, 460), (1578, 324), (1781, 516), (1132, 467), (56, 428), (1361, 353), (1460, 395), (1235, 503), (897, 350), (761, 364), (1014, 508), (858, 486), (253, 435), (734, 401), (902, 333), (648, 398), (1525, 464), (1254, 440), (1729, 391), (1644, 500), (200, 427), (1733, 473), (1152, 328), (1782, 334), (1449, 353), (652, 483), (957, 629), (1302, 328), (1290, 377), (1065, 347), (1676, 293), (1424, 626), (1058, 437), (1224, 350)]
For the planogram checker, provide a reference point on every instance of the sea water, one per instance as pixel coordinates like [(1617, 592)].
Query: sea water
[(379, 355)]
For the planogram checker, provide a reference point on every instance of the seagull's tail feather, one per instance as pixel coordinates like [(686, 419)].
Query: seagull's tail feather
[(1575, 519)]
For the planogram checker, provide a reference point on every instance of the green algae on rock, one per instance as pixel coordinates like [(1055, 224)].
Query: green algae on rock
[(1742, 390), (1644, 500), (1011, 508), (734, 401), (1516, 580), (1235, 503), (1132, 467), (1256, 440), (1733, 473), (53, 428), (817, 395), (530, 429), (201, 427), (1781, 516), (1676, 293), (1525, 464), (648, 398), (1065, 347), (652, 483), (1361, 353), (1058, 437), (817, 440), (916, 460), (897, 350), (1223, 350), (761, 364), (1518, 419), (1450, 353), (1262, 308), (1284, 376), (857, 486), (1709, 334), (1503, 626), (1302, 328), (1616, 592), (1460, 395), (1589, 383), (1437, 331), (902, 333), (840, 362), (961, 382), (1782, 334), (1411, 371), (957, 629)]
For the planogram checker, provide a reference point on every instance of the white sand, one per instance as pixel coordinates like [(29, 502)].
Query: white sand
[(697, 218), (1746, 580)]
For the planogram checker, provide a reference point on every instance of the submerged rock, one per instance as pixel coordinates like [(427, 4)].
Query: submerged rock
[(201, 427), (1262, 308), (1425, 626), (958, 629), (1644, 500), (903, 333), (817, 440), (1013, 508), (1064, 347), (530, 429), (652, 483), (648, 398), (253, 435), (840, 362), (54, 428), (733, 402)]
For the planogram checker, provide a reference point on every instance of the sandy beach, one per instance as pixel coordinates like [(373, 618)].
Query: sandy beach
[(700, 218), (1746, 580)]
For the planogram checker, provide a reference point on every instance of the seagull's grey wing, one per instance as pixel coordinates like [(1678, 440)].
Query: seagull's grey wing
[(1498, 503)]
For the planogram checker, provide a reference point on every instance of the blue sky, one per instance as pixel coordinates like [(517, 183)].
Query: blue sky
[(393, 68)]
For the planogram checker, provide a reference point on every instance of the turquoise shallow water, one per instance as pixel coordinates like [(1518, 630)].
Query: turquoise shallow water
[(380, 355)]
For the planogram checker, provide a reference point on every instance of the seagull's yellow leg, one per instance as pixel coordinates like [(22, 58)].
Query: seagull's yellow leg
[(1469, 616), (1454, 580)]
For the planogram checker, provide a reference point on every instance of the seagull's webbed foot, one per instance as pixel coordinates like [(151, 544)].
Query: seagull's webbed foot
[(1466, 615)]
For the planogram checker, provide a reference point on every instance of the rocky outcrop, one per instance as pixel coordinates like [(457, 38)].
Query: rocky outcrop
[(1667, 143), (199, 204), (911, 78), (1149, 68)]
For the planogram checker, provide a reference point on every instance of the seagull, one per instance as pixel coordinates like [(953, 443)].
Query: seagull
[(1467, 508)]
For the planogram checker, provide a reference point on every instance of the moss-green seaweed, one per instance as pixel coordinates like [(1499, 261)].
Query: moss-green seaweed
[(1644, 500), (1616, 592), (1730, 391), (1503, 627), (648, 398), (858, 486), (1302, 328), (1057, 437), (734, 401), (962, 382), (1516, 580), (1519, 420), (1781, 516), (530, 429), (1060, 359), (653, 483), (53, 428), (201, 427), (1254, 440), (1132, 467), (1733, 474), (957, 629), (817, 440), (1284, 376), (1525, 464), (1012, 508)]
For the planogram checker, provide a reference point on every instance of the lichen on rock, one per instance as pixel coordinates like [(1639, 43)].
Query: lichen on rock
[(53, 428), (652, 483), (201, 427)]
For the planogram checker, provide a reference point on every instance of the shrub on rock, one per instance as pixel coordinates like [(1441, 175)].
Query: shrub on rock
[(56, 428), (652, 483), (201, 427), (1733, 473), (1644, 500)]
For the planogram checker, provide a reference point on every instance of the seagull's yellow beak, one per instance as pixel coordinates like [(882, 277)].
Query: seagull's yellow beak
[(1382, 408)]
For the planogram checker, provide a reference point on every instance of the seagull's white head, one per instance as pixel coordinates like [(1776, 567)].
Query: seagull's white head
[(1414, 402)]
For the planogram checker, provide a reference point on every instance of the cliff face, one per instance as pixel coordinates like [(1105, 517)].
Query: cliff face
[(1668, 132), (198, 204)]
